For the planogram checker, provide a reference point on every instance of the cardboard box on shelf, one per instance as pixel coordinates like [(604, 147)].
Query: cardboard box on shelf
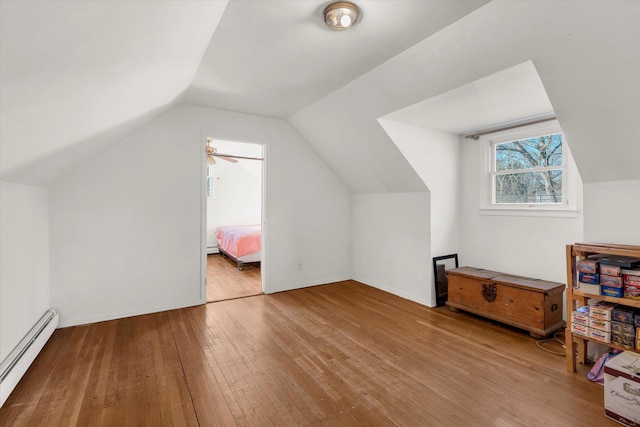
[(580, 329), (603, 325), (611, 292), (611, 270), (599, 335), (589, 288), (622, 388), (602, 310), (593, 279), (587, 266)]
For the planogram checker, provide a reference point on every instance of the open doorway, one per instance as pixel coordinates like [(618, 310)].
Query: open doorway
[(234, 191)]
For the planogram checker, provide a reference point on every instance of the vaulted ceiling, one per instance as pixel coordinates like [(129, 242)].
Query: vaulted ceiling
[(77, 76)]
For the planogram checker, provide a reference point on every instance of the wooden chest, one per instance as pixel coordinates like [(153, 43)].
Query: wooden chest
[(530, 304)]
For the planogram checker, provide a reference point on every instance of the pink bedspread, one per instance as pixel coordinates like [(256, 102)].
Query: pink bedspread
[(239, 240)]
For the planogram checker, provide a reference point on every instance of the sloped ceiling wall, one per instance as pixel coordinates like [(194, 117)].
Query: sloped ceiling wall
[(272, 58), (587, 57), (78, 76)]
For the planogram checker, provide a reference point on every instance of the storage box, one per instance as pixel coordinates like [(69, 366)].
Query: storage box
[(587, 266), (631, 277), (599, 335), (636, 320), (622, 314), (593, 279), (580, 329), (621, 260), (624, 340), (602, 310), (612, 281), (611, 292), (581, 315), (526, 303), (623, 328), (589, 289), (603, 325), (631, 291), (610, 270), (622, 388)]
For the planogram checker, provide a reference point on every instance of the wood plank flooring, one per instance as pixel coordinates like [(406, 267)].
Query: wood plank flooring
[(338, 354), (225, 281)]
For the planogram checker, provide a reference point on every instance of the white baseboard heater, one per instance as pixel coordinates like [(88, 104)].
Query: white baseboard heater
[(14, 366)]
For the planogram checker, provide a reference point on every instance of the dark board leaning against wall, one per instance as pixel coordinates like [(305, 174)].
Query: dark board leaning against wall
[(440, 266)]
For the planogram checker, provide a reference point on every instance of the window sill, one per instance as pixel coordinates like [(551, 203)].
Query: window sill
[(533, 211)]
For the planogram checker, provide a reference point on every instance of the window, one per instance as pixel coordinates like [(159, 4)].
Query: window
[(528, 171)]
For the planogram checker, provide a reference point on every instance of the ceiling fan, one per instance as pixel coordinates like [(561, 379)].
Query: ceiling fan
[(212, 153)]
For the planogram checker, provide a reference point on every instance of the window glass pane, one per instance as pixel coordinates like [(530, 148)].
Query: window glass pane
[(529, 187), (542, 151)]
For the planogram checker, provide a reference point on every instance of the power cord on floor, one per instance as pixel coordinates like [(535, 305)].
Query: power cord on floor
[(555, 339)]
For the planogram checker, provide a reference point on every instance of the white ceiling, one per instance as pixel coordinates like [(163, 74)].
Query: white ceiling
[(76, 76), (512, 95), (272, 58), (587, 57)]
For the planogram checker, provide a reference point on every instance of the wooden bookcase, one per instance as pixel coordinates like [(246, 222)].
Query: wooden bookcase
[(575, 298)]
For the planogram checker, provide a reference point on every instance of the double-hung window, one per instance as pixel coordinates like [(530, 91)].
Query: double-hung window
[(528, 171)]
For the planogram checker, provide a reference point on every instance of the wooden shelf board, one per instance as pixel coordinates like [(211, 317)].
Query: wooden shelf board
[(624, 301), (594, 248), (578, 338)]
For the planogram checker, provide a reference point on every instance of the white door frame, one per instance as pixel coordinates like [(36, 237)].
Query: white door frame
[(203, 213)]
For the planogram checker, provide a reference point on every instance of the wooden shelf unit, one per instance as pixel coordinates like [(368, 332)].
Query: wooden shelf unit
[(575, 298)]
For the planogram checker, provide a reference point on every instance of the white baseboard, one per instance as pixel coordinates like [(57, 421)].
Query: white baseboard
[(20, 359)]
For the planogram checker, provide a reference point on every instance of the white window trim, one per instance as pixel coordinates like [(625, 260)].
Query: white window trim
[(567, 209)]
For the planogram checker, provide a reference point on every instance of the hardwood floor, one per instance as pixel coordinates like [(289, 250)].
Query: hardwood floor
[(225, 281), (338, 354)]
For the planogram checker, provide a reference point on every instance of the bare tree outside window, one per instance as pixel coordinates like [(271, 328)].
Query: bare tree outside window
[(529, 170)]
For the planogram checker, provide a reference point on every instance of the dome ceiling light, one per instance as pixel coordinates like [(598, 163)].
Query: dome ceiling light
[(341, 15)]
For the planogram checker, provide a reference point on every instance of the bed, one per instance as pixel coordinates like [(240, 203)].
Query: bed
[(241, 243)]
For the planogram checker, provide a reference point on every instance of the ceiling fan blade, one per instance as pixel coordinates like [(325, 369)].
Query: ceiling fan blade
[(226, 157)]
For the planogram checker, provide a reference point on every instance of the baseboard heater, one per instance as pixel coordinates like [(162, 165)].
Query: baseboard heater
[(14, 366)]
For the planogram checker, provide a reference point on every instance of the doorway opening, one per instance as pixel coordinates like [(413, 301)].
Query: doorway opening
[(234, 179)]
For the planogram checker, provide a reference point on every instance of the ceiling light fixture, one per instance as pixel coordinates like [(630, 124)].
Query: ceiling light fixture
[(341, 15)]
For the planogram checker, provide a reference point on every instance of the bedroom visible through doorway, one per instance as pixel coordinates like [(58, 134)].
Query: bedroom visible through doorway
[(234, 184)]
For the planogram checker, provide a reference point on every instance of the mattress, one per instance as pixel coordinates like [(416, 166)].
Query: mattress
[(240, 241)]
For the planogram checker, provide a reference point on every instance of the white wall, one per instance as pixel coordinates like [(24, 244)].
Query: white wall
[(24, 257), (390, 244), (612, 212), (525, 245), (127, 232), (237, 189), (436, 157)]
